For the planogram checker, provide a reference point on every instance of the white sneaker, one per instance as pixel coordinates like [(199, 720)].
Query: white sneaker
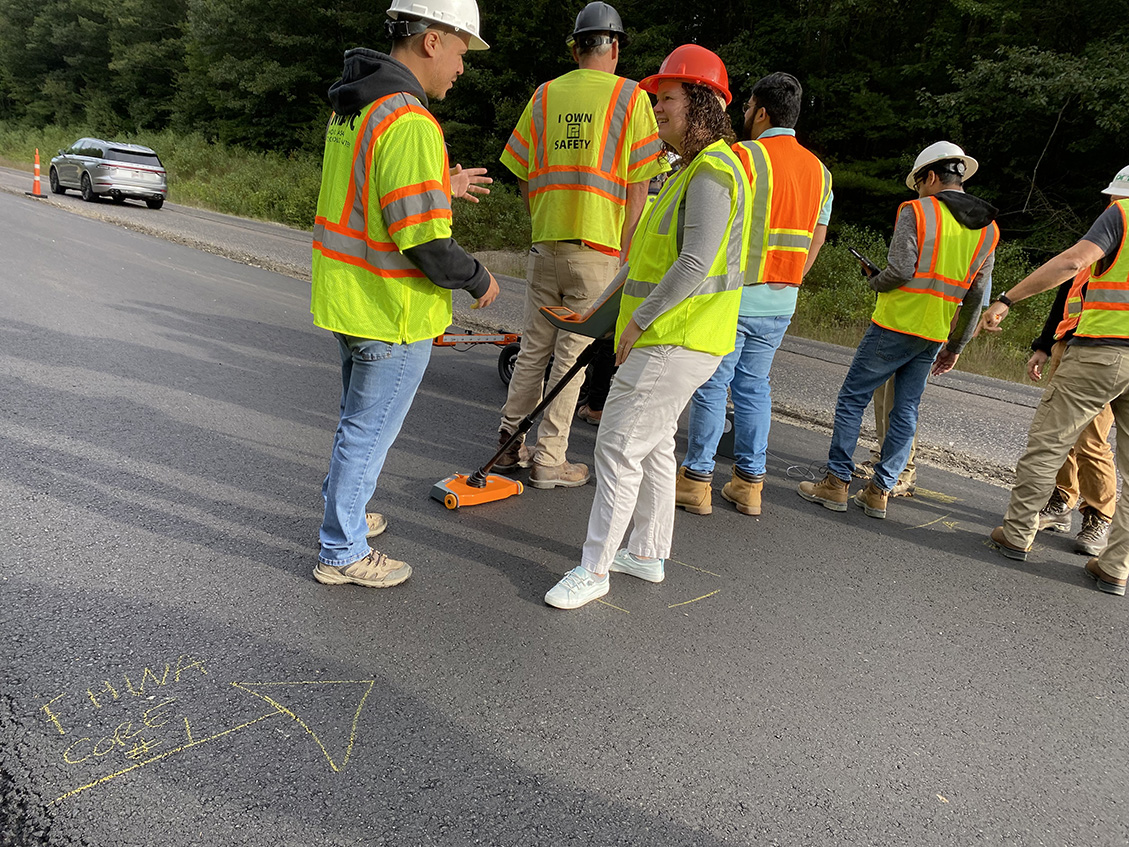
[(648, 569), (577, 587)]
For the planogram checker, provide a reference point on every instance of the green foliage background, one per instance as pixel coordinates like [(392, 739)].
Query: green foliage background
[(232, 93)]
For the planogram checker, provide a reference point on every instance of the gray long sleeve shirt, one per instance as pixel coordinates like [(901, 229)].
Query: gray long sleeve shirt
[(901, 263), (703, 231)]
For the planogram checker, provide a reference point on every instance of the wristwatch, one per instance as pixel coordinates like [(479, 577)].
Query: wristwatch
[(1003, 298)]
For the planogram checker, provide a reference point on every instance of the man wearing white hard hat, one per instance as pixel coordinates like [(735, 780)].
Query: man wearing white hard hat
[(940, 260), (1094, 371), (384, 261)]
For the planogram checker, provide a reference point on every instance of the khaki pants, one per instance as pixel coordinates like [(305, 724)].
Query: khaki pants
[(1089, 472), (883, 403), (560, 274), (1086, 380)]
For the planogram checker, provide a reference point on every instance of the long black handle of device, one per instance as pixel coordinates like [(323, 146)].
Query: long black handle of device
[(478, 478)]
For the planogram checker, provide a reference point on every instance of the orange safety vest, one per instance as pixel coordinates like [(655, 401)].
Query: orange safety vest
[(1105, 309), (1072, 311), (363, 284), (789, 189)]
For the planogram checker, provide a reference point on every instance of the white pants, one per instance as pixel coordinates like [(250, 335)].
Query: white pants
[(635, 463)]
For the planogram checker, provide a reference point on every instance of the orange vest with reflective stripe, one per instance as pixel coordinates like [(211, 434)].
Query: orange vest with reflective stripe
[(578, 146), (1072, 311), (363, 285), (789, 189), (949, 255), (1105, 309)]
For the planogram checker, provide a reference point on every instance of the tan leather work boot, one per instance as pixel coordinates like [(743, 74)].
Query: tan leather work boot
[(564, 475), (906, 484), (743, 494), (693, 495), (830, 492), (872, 500)]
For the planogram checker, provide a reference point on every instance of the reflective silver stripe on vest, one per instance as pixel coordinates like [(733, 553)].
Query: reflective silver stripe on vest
[(518, 146), (645, 153), (538, 140), (762, 169), (789, 239), (357, 219), (589, 180), (939, 286), (615, 128), (415, 204), (927, 250), (981, 255), (1073, 307), (1106, 295), (358, 248)]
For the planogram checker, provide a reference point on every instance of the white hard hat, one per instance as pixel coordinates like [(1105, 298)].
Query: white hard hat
[(938, 152), (1120, 184), (460, 15)]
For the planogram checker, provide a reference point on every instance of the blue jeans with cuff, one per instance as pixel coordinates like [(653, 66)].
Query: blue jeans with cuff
[(881, 354), (746, 369), (378, 383)]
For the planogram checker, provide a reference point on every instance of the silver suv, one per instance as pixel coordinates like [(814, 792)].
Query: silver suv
[(106, 168)]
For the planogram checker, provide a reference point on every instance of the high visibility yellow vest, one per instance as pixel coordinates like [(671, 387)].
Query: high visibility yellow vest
[(707, 319), (949, 255), (1072, 310), (582, 139), (789, 189), (385, 188), (1105, 310)]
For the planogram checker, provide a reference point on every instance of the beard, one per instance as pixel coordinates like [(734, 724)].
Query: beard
[(746, 133)]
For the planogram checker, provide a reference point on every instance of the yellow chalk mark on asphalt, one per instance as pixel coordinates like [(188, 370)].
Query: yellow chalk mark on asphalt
[(699, 570), (164, 755), (936, 496), (930, 523), (368, 683), (942, 798), (614, 606), (695, 600)]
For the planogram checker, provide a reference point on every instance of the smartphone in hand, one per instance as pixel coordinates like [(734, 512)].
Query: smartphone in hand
[(871, 268)]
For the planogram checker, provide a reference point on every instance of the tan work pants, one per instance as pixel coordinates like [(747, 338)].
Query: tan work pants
[(559, 274), (1087, 379), (1089, 472), (883, 403)]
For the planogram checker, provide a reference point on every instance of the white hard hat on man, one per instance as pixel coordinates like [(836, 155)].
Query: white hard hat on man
[(939, 152), (459, 15), (1119, 186)]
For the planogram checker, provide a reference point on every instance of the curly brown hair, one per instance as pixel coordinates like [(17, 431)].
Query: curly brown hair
[(706, 122)]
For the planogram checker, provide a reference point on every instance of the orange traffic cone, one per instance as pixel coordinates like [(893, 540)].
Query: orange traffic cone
[(35, 190)]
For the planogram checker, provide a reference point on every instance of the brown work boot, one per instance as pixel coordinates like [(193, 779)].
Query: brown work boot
[(864, 470), (1108, 584), (564, 475), (872, 499), (1056, 515), (743, 493), (589, 415), (1093, 536), (509, 461), (996, 539), (373, 571), (693, 495), (830, 492)]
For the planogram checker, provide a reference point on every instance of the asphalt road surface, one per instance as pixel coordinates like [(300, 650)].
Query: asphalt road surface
[(171, 673)]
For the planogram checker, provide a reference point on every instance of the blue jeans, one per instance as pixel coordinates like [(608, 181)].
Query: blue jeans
[(881, 354), (378, 383), (747, 367)]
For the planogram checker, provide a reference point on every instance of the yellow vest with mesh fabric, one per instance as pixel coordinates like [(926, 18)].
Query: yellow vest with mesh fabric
[(582, 139), (707, 319), (949, 255), (385, 188), (1105, 309)]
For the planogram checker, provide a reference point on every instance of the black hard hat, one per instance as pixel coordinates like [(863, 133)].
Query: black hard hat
[(598, 17)]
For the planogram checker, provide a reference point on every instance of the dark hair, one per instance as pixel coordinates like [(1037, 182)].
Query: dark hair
[(949, 172), (779, 94), (706, 121)]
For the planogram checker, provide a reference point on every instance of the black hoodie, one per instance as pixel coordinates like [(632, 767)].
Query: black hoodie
[(368, 76)]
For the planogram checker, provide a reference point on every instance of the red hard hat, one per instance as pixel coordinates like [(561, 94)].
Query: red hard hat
[(695, 64)]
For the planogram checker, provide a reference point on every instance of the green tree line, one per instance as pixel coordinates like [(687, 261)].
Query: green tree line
[(1037, 91)]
